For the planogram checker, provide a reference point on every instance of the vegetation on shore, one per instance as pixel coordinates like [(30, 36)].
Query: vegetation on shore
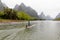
[(8, 20), (10, 14), (57, 19)]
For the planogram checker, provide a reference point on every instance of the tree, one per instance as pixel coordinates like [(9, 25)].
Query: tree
[(10, 14), (23, 16)]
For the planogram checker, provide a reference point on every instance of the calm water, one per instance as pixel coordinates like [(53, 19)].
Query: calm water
[(43, 30)]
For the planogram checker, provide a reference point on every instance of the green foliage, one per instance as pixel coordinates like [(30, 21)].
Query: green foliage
[(23, 16), (1, 14), (57, 19), (13, 14), (9, 14)]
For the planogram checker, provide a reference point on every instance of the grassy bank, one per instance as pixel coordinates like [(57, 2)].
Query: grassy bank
[(7, 20)]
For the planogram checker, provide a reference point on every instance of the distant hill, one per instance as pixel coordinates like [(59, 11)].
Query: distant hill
[(48, 17), (42, 16), (26, 9), (4, 5), (58, 16), (16, 7)]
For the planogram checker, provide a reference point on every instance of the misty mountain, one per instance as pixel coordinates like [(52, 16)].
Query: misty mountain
[(2, 5), (48, 17), (26, 9), (42, 16), (16, 7), (58, 16)]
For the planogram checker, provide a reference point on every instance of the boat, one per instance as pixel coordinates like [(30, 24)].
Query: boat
[(29, 26)]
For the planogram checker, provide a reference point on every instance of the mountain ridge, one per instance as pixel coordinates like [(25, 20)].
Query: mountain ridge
[(26, 9)]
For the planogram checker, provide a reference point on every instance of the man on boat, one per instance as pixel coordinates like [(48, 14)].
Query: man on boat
[(28, 24)]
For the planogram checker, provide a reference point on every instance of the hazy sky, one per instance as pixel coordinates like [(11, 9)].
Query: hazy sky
[(49, 7)]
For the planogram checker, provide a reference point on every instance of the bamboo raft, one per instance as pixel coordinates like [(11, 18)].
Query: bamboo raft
[(29, 26)]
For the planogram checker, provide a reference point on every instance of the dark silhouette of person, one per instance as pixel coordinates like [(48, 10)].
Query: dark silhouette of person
[(28, 23)]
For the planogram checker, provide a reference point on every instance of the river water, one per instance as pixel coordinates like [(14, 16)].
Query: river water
[(42, 30)]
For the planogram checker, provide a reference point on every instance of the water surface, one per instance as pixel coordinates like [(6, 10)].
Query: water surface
[(43, 30)]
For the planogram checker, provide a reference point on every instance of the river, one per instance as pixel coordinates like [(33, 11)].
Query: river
[(42, 30)]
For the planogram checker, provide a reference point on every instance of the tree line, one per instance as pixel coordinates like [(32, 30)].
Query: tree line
[(8, 13)]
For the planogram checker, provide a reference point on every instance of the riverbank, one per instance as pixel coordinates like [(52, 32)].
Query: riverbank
[(7, 20), (11, 24)]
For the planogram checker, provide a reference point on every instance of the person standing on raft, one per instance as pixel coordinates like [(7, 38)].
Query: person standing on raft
[(28, 24)]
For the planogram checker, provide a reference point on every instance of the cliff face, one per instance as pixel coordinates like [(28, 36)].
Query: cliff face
[(26, 9)]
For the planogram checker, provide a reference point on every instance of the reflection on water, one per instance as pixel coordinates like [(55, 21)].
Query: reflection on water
[(43, 30)]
